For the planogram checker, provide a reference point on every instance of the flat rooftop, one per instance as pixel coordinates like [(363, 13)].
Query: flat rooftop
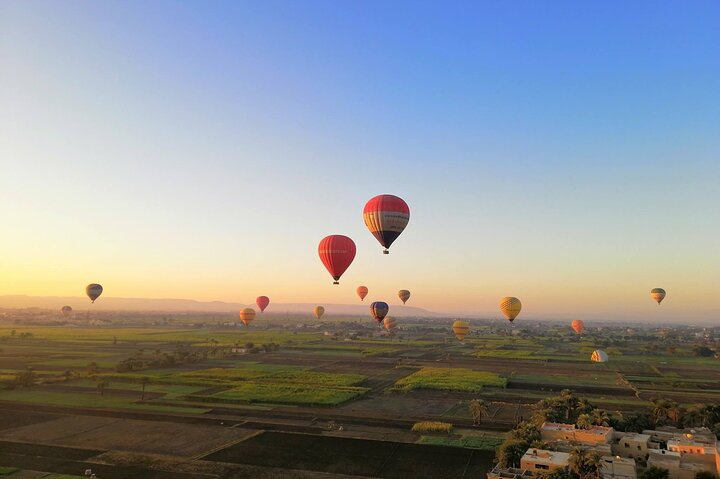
[(558, 426), (546, 457)]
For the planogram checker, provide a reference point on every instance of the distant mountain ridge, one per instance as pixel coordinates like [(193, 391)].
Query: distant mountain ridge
[(189, 305)]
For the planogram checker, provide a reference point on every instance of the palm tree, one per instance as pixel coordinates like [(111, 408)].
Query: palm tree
[(593, 464), (693, 415), (599, 417), (584, 421), (478, 409), (583, 406), (569, 400), (659, 411), (674, 412), (576, 463)]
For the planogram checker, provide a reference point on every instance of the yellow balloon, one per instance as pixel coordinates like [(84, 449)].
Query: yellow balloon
[(599, 356), (510, 307), (390, 324), (461, 329), (319, 311), (247, 315), (404, 295), (658, 294)]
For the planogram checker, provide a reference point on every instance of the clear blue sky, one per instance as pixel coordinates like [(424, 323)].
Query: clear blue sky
[(563, 152)]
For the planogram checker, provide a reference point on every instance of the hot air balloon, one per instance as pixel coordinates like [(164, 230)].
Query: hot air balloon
[(319, 311), (404, 295), (510, 307), (461, 329), (578, 326), (658, 294), (362, 291), (379, 310), (93, 290), (599, 356), (66, 311), (262, 302), (336, 253), (390, 324), (247, 315), (386, 216)]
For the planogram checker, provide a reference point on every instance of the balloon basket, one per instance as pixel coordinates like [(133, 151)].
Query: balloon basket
[(386, 251), (336, 282)]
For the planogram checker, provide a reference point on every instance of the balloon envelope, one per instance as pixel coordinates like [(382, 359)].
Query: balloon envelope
[(318, 311), (658, 294), (578, 326), (386, 216), (404, 295), (599, 356), (390, 324), (93, 290), (362, 291), (262, 302), (461, 329), (510, 307), (379, 310), (247, 315), (336, 253), (66, 310)]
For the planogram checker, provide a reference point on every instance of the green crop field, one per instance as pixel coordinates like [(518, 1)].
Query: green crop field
[(279, 393), (449, 379)]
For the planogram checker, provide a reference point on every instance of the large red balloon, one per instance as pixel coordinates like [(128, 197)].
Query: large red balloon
[(386, 216), (336, 253), (262, 302)]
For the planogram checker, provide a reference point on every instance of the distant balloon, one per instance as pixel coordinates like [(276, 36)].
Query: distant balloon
[(336, 253), (578, 326), (386, 216), (66, 311), (658, 294), (599, 356), (404, 295), (379, 310), (247, 315), (390, 324), (93, 290), (319, 311), (510, 307), (262, 302), (461, 329), (362, 291)]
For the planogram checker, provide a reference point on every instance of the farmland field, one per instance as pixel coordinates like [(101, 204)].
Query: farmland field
[(182, 392), (449, 379)]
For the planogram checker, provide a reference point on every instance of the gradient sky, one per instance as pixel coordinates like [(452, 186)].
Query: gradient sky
[(563, 152)]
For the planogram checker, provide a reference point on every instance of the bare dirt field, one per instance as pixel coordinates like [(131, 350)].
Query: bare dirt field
[(186, 440), (356, 456)]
